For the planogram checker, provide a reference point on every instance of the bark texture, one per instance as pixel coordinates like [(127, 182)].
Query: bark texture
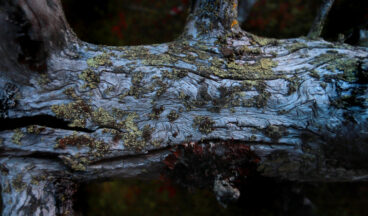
[(73, 112)]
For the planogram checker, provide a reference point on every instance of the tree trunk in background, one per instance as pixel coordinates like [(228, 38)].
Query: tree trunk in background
[(244, 9), (74, 112)]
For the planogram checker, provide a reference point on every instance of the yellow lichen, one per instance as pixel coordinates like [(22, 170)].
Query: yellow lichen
[(100, 60), (132, 138), (172, 116), (262, 69), (102, 117), (263, 41), (90, 77), (204, 124), (17, 136), (73, 163), (34, 129), (76, 111), (71, 93)]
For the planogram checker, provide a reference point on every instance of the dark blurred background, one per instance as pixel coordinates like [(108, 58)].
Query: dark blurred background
[(133, 22)]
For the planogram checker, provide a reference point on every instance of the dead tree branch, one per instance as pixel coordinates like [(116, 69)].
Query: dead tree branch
[(74, 112)]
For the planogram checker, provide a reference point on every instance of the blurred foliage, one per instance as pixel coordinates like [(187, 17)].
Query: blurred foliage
[(282, 18), (126, 22), (132, 22), (260, 197), (347, 17), (132, 198), (339, 199)]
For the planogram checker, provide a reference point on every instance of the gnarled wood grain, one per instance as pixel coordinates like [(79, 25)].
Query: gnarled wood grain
[(73, 111)]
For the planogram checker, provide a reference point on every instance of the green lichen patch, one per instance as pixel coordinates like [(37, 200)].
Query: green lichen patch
[(204, 124), (117, 135), (118, 113), (172, 116), (343, 67), (246, 50), (137, 89), (103, 118), (43, 79), (348, 66), (134, 52), (159, 60), (100, 60), (325, 58), (315, 74), (18, 183), (91, 78), (77, 111), (174, 74), (229, 97), (35, 180), (275, 132), (186, 100), (75, 163), (162, 87), (156, 112), (35, 129), (261, 99), (262, 41), (262, 69), (17, 136), (71, 93), (296, 46), (133, 136)]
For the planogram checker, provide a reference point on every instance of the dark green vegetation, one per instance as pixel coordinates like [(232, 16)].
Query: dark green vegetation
[(260, 197)]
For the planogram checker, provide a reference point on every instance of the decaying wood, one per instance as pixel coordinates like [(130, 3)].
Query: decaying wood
[(74, 112)]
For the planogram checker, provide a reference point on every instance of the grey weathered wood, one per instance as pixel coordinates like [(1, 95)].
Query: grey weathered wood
[(74, 112)]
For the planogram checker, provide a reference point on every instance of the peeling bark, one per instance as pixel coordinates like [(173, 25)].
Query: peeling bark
[(77, 112)]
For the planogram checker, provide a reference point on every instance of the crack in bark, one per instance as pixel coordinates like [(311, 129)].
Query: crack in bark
[(133, 156), (41, 120)]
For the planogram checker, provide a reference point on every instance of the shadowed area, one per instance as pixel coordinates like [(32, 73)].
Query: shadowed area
[(260, 196), (125, 22)]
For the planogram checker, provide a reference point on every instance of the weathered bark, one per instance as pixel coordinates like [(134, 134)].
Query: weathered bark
[(73, 111)]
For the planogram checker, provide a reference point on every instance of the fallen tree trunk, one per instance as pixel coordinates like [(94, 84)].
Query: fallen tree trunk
[(75, 112)]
